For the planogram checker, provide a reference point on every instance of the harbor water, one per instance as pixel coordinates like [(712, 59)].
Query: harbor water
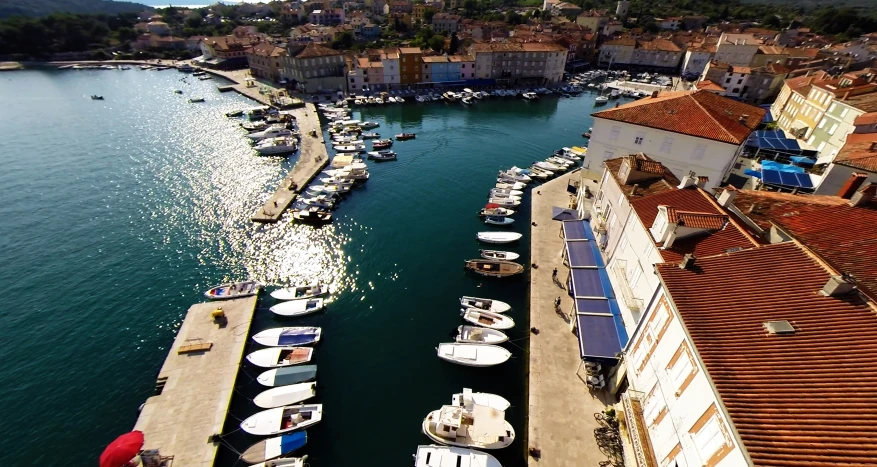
[(118, 214)]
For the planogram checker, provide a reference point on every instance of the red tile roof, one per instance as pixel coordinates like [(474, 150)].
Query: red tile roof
[(696, 220), (859, 151), (866, 119), (701, 114), (806, 399), (709, 85), (663, 181), (761, 207)]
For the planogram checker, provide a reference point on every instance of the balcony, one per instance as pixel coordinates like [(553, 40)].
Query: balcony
[(636, 428), (619, 268)]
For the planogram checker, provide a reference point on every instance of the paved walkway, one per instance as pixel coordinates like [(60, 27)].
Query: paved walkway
[(561, 415)]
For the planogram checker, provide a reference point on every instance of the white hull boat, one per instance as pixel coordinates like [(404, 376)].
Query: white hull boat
[(287, 375), (273, 132), (485, 304), (536, 172), (286, 395), (349, 148), (546, 166), (450, 456), (505, 191), (487, 319), (478, 355), (471, 434), (300, 292), (496, 212), (477, 335), (518, 177), (283, 419), (270, 448), (280, 145), (511, 186), (498, 237), (278, 357), (298, 307), (283, 462), (505, 202), (501, 255), (289, 336), (233, 290), (498, 220), (504, 196), (467, 397)]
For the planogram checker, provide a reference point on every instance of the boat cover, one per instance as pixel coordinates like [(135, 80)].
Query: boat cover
[(295, 337), (294, 375), (291, 442)]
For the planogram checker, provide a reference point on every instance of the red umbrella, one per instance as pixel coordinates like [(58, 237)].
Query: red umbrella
[(122, 450)]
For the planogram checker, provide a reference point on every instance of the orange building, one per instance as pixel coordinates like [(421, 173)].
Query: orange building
[(410, 63)]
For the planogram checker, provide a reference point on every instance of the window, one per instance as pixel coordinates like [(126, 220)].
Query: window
[(634, 274), (810, 141), (640, 135), (822, 123), (623, 244), (667, 145), (680, 371), (821, 145), (833, 129), (832, 107), (612, 220), (613, 135), (653, 406), (844, 112), (699, 152), (620, 199), (709, 439), (608, 154), (728, 81), (740, 81)]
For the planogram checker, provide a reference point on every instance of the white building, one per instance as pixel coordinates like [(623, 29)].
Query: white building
[(696, 132), (696, 59), (622, 7), (737, 49)]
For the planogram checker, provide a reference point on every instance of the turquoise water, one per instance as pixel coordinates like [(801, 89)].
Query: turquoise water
[(117, 214)]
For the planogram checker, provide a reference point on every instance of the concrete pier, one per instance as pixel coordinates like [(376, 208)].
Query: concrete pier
[(561, 408), (196, 383)]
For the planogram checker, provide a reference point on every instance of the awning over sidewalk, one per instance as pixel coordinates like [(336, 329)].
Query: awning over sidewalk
[(577, 230)]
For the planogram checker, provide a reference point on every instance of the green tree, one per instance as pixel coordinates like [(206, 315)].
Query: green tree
[(427, 15), (454, 45), (194, 20), (126, 34), (771, 21), (536, 13), (437, 43), (345, 41)]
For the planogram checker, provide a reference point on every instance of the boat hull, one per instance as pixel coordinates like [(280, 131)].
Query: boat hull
[(285, 395), (478, 335), (279, 357), (426, 454), (467, 354), (303, 292), (270, 422), (505, 442)]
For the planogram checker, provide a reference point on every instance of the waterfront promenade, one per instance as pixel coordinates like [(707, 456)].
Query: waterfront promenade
[(561, 408), (196, 383)]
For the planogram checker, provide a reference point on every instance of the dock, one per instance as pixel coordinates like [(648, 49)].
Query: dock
[(196, 383), (561, 408), (313, 157)]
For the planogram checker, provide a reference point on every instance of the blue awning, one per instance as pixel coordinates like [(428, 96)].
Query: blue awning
[(802, 160), (598, 306), (580, 255), (577, 230), (752, 173), (586, 283), (564, 214), (598, 337), (773, 165)]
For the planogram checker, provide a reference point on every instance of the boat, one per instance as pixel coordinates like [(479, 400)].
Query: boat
[(466, 423), (511, 186), (493, 209), (536, 172), (97, 98), (287, 375), (517, 177), (283, 462), (277, 357), (498, 220), (466, 100), (370, 135), (506, 191), (498, 237), (586, 134), (380, 156), (503, 196), (478, 335), (333, 188), (298, 307), (270, 448), (529, 96), (205, 77), (254, 126), (546, 166), (312, 216), (382, 144), (180, 91), (564, 164), (400, 100), (270, 132), (185, 68), (279, 145), (196, 100), (450, 456), (505, 202), (497, 254), (300, 292), (369, 125), (600, 100), (478, 355), (487, 319), (467, 397), (349, 147), (283, 419), (288, 336), (285, 395), (233, 113), (405, 136), (233, 290)]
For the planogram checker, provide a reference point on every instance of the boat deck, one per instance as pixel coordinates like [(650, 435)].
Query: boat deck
[(196, 383), (561, 409)]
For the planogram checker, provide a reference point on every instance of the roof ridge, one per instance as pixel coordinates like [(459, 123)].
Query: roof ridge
[(724, 130), (731, 219)]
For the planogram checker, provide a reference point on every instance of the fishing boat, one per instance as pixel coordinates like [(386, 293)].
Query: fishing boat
[(405, 136), (270, 448), (529, 96), (498, 237), (498, 220), (475, 426), (285, 395), (493, 209), (283, 419), (196, 100), (467, 397), (486, 304), (288, 336), (298, 307), (284, 462), (382, 144), (450, 456), (478, 335), (493, 268), (500, 255), (466, 100), (300, 292), (487, 319), (280, 145), (254, 126), (600, 100), (478, 355), (312, 216), (288, 375), (380, 156), (278, 357), (233, 290), (370, 135), (369, 125), (505, 202)]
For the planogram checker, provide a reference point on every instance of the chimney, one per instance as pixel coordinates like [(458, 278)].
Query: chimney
[(838, 286), (863, 196), (687, 261), (654, 93), (849, 188), (873, 146), (633, 189), (701, 181), (688, 181), (727, 197)]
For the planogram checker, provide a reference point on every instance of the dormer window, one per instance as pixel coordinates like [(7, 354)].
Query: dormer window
[(659, 226)]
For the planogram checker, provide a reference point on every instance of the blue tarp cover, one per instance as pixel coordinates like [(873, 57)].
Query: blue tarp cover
[(773, 165), (289, 443), (803, 160), (753, 173)]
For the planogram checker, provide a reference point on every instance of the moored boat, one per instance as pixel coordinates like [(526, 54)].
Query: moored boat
[(270, 448), (467, 398), (382, 143), (278, 357), (287, 375), (504, 202), (196, 100), (380, 156), (300, 292), (475, 426), (478, 355), (289, 336), (497, 254), (451, 456), (233, 290), (404, 136), (312, 216), (498, 237), (498, 220), (283, 419), (479, 335), (298, 307), (486, 304), (284, 462), (279, 145), (493, 209), (487, 319), (285, 395)]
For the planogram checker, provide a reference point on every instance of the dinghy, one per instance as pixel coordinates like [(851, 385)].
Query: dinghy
[(283, 419), (233, 290), (277, 357), (298, 307), (274, 447), (285, 395), (467, 397), (498, 237), (486, 304), (288, 375), (477, 335), (288, 336), (505, 202), (473, 354), (497, 254), (300, 292), (492, 209), (487, 319), (498, 220), (283, 462), (450, 456), (475, 426)]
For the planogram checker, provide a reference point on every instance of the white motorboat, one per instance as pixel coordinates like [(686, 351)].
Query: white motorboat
[(369, 125), (279, 145), (496, 211), (271, 132), (560, 162), (518, 177), (283, 419), (600, 100), (298, 307), (283, 462), (270, 448), (300, 292), (400, 100), (498, 237), (287, 375), (331, 188), (278, 357), (505, 202), (478, 355), (254, 126), (450, 456), (487, 319), (289, 336), (478, 335), (546, 166), (233, 290), (536, 172), (498, 220), (510, 186), (370, 135), (475, 426), (349, 147), (529, 96), (501, 195), (468, 398), (286, 395), (466, 100), (506, 191), (496, 254)]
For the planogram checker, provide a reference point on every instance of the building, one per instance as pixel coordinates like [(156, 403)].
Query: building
[(736, 49), (264, 61), (465, 64), (446, 23), (326, 16), (616, 51), (227, 52), (658, 54), (291, 14), (769, 54), (512, 63), (670, 24), (310, 68), (565, 9), (697, 56), (437, 70), (838, 122), (594, 20), (696, 132), (410, 59), (399, 6), (856, 162), (733, 79), (158, 28)]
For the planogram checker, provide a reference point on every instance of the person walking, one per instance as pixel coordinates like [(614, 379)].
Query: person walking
[(554, 274)]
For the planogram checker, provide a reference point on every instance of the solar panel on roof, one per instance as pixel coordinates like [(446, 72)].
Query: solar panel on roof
[(771, 176), (804, 180)]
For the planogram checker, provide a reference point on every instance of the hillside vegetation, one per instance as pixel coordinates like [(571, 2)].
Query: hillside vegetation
[(36, 8)]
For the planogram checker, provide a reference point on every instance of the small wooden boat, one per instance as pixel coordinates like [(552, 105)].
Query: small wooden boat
[(278, 357), (312, 217), (405, 136), (381, 156), (300, 292), (234, 113), (493, 267), (382, 143), (505, 202), (485, 304), (493, 209), (450, 456), (486, 399), (479, 335), (233, 290), (285, 395), (298, 307), (283, 462), (288, 375), (500, 255), (487, 319), (498, 220), (478, 355), (498, 237), (586, 134), (289, 336), (196, 100), (283, 419), (274, 447)]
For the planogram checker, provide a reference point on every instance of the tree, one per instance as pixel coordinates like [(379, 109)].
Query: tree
[(771, 21), (536, 13), (427, 15), (454, 45), (194, 20), (514, 18), (345, 41), (437, 43)]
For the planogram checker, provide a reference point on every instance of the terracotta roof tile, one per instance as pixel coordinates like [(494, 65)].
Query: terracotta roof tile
[(805, 399), (869, 118), (696, 220), (708, 85), (859, 151), (644, 187), (312, 50), (761, 207), (701, 114)]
